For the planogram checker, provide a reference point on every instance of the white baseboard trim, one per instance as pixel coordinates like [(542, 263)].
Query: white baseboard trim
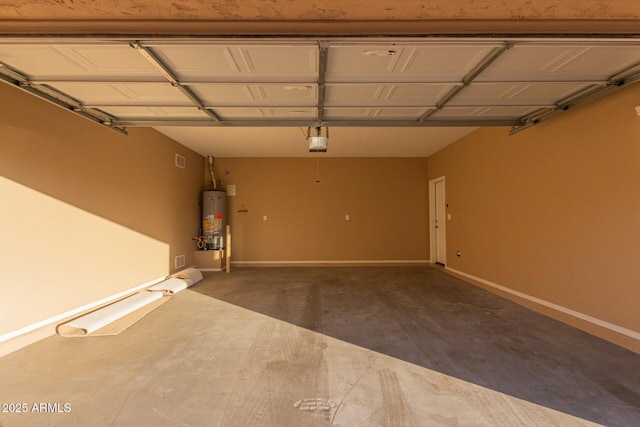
[(46, 322), (330, 262), (595, 321)]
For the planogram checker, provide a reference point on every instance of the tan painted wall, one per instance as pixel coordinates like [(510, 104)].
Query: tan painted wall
[(553, 211), (86, 212), (386, 200)]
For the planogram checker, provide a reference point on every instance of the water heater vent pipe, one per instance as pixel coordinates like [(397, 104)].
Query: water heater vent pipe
[(213, 178)]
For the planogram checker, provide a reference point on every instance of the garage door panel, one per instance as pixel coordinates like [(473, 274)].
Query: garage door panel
[(120, 93), (516, 93), (249, 95), (392, 62), (488, 112), (206, 63), (128, 113), (568, 62), (393, 113), (249, 113), (87, 62), (385, 94)]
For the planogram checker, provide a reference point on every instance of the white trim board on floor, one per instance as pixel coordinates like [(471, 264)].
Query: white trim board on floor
[(576, 314), (68, 314)]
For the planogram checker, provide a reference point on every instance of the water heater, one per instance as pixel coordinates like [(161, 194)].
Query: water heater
[(214, 219)]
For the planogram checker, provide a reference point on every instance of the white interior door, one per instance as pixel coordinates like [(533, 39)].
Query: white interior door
[(440, 222)]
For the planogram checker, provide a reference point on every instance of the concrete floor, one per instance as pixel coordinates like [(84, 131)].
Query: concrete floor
[(386, 346)]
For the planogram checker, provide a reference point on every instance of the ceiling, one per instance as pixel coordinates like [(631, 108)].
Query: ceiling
[(379, 95), (18, 11)]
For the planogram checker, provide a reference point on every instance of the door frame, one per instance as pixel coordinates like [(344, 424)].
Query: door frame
[(432, 221)]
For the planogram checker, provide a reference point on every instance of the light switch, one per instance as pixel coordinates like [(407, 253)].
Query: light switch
[(264, 217), (449, 217), (346, 217)]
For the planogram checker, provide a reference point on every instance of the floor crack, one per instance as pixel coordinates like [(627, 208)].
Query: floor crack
[(169, 418), (352, 387)]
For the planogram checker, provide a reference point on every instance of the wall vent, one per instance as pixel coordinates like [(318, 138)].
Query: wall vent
[(179, 261), (180, 161)]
